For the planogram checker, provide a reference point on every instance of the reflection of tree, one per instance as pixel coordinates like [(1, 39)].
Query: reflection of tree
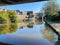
[(4, 29), (7, 28), (48, 34), (13, 28)]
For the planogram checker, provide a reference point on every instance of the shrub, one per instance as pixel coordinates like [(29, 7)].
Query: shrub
[(3, 17), (12, 16)]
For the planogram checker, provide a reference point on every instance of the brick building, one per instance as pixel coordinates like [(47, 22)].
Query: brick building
[(21, 14), (25, 15)]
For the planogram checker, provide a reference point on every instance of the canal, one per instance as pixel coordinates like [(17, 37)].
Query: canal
[(37, 33)]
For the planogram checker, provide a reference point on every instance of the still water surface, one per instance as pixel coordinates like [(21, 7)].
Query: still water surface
[(38, 34)]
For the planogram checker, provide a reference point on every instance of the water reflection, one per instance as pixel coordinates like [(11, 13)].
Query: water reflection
[(29, 24), (13, 28), (4, 28), (36, 33), (48, 34)]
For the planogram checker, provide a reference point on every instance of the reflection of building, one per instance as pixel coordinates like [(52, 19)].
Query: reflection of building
[(24, 24), (28, 24)]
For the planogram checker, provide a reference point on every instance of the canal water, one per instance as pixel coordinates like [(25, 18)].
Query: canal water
[(32, 34)]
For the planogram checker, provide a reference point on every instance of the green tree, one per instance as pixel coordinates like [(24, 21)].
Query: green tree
[(3, 17), (8, 16), (50, 9), (12, 16)]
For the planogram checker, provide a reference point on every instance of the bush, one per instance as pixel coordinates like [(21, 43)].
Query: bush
[(2, 20), (3, 17), (8, 16), (12, 16)]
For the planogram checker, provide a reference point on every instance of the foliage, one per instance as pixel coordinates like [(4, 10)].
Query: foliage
[(51, 9), (12, 16), (8, 16), (3, 17)]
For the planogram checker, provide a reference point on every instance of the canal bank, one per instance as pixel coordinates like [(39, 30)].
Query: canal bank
[(54, 26)]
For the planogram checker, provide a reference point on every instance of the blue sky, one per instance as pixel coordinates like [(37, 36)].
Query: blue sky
[(36, 6)]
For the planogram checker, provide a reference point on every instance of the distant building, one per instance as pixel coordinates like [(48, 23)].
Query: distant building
[(1, 9), (21, 14), (25, 15), (39, 16), (30, 15)]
